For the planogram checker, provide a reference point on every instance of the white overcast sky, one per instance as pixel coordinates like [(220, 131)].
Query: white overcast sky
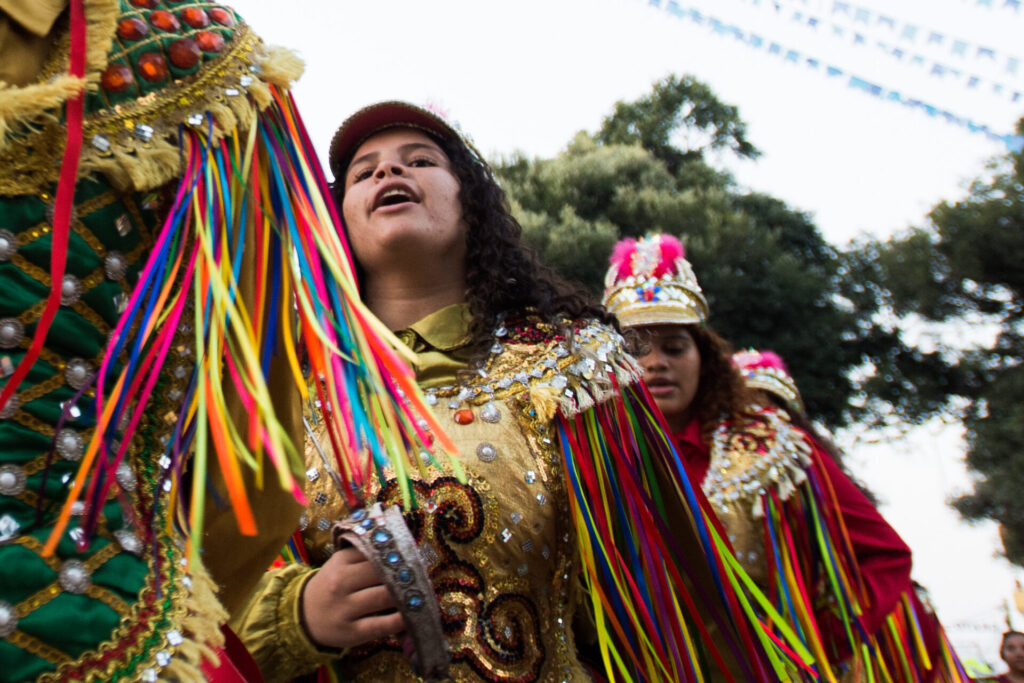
[(527, 75)]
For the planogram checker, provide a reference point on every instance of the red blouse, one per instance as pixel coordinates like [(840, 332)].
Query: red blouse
[(882, 556)]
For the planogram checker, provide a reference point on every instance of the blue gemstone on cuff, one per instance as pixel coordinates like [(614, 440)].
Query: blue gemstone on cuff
[(359, 515), (404, 576), (381, 536), (414, 601), (394, 557), (366, 523)]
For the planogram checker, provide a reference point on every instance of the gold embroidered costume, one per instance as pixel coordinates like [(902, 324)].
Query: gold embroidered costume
[(499, 547)]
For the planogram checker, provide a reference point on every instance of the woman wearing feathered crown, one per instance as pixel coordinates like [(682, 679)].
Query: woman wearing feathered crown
[(829, 562), (547, 514), (767, 373)]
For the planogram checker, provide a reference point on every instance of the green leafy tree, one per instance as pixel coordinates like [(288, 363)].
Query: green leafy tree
[(964, 273), (771, 279)]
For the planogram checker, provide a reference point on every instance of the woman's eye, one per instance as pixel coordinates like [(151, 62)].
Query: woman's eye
[(422, 162), (361, 175)]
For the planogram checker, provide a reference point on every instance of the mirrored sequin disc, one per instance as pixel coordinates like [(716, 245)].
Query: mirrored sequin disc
[(12, 407), (486, 452), (70, 290), (8, 619), (70, 445), (12, 331), (126, 477), (129, 541), (115, 265), (78, 372), (8, 245), (74, 577), (12, 480), (490, 413)]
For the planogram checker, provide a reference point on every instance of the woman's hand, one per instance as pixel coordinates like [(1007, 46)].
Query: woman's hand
[(342, 603)]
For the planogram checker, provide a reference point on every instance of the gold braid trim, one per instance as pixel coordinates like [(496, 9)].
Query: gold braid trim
[(19, 106), (217, 90), (231, 89)]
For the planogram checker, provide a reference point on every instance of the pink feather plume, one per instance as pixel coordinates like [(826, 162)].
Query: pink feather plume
[(752, 359)]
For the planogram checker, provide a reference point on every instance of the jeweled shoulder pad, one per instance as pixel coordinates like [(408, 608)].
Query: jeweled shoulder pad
[(565, 367), (766, 452)]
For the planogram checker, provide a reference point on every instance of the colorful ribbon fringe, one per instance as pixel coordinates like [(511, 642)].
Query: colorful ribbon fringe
[(636, 545), (252, 207)]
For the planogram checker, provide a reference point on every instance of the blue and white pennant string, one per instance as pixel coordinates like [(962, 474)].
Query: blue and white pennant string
[(755, 41)]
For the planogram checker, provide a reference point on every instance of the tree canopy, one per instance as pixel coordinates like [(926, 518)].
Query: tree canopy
[(963, 273), (771, 280)]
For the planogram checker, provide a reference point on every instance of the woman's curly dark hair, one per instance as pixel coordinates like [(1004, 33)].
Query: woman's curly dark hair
[(503, 275)]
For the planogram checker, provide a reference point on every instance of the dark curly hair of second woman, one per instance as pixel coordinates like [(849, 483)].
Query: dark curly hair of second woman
[(503, 275)]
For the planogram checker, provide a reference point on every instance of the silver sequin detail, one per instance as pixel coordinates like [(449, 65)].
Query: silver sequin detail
[(245, 80), (12, 480), (163, 658), (8, 528), (12, 407), (70, 445), (8, 245), (312, 474), (126, 476), (70, 290), (530, 477), (115, 265), (150, 676), (516, 517), (486, 452), (78, 372), (506, 535), (143, 132), (12, 331), (232, 92), (303, 522), (174, 638), (8, 619), (74, 577), (195, 119), (541, 499), (490, 413), (101, 142), (129, 541), (324, 524)]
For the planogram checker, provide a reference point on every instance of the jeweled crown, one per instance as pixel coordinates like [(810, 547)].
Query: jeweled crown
[(766, 371), (650, 282)]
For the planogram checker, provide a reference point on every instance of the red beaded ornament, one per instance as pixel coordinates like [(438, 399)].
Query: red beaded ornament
[(210, 41), (195, 17), (152, 67), (145, 4), (117, 78), (184, 53), (222, 16), (464, 416), (132, 28), (165, 21)]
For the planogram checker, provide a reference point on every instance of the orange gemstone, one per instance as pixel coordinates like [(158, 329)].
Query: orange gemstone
[(210, 41), (195, 17), (464, 416), (117, 78), (152, 67), (146, 4), (222, 16), (165, 21), (184, 53), (131, 28)]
